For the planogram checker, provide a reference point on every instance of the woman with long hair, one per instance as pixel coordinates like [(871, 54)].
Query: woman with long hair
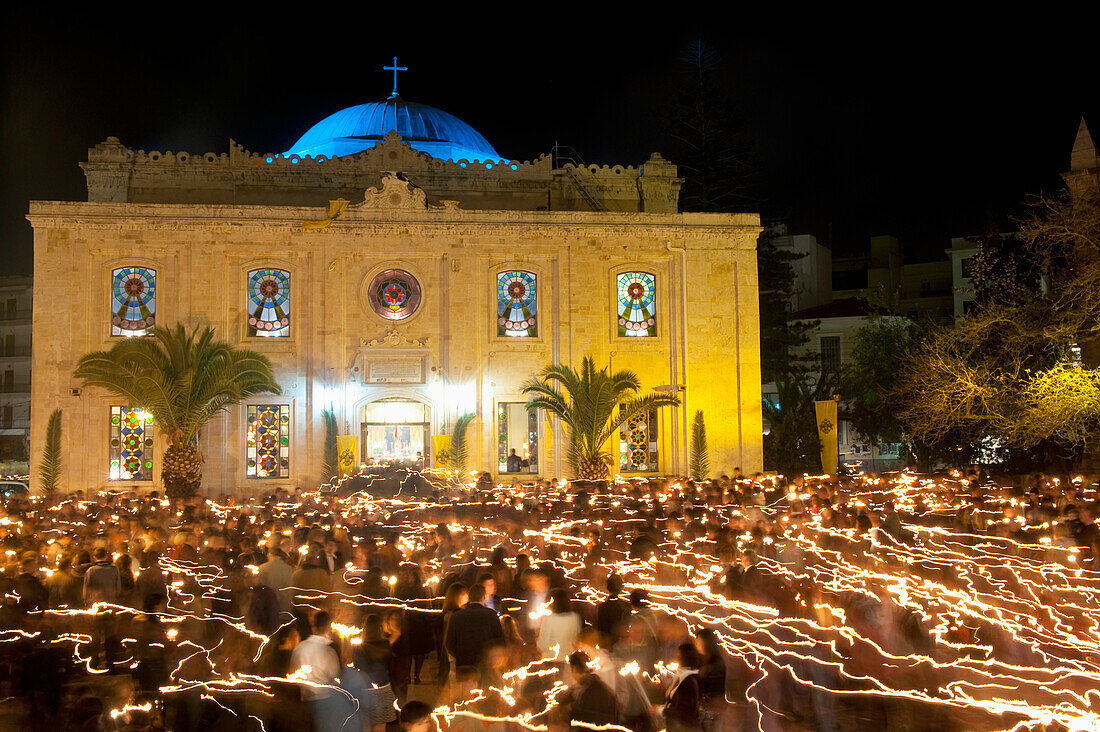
[(557, 636), (712, 679), (418, 625), (454, 599), (682, 699), (372, 659)]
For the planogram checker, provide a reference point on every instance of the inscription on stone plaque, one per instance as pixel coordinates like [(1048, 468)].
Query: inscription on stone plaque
[(401, 370)]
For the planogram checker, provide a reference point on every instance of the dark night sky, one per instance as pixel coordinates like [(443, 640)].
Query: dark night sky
[(905, 130)]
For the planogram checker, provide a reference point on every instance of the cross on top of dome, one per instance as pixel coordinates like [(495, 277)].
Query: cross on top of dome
[(395, 68)]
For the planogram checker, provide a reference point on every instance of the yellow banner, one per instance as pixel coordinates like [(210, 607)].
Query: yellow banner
[(827, 433), (346, 448), (441, 451), (335, 208)]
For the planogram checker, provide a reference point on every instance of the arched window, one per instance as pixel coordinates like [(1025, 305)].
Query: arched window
[(133, 301), (269, 303), (517, 304), (636, 307)]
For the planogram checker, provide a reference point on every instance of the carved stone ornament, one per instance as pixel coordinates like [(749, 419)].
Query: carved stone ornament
[(396, 193), (394, 339)]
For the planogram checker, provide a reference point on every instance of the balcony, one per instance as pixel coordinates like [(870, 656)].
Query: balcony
[(15, 352), (9, 315)]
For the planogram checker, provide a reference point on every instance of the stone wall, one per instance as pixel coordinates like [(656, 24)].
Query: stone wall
[(708, 319)]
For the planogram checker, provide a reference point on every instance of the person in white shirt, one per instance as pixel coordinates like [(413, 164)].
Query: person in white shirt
[(315, 663), (557, 637), (279, 576)]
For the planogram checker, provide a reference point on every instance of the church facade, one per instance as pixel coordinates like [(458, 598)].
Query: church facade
[(399, 272)]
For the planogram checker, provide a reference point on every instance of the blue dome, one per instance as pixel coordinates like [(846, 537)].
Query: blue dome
[(424, 128)]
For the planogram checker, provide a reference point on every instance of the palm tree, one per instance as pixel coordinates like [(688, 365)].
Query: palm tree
[(593, 405), (182, 379)]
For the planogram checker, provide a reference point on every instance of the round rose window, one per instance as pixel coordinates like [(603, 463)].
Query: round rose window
[(394, 294)]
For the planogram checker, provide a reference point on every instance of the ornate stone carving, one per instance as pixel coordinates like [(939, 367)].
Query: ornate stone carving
[(395, 339), (396, 193)]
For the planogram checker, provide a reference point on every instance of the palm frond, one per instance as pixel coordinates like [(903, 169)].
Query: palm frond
[(181, 378), (460, 448), (700, 451), (330, 465), (49, 469), (592, 404)]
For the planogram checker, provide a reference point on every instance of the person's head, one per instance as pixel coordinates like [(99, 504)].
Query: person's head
[(638, 598), (416, 716), (614, 585), (476, 593), (456, 596), (322, 623), (514, 451), (100, 553), (687, 656), (510, 629), (706, 643), (559, 601), (372, 629), (486, 581), (579, 662)]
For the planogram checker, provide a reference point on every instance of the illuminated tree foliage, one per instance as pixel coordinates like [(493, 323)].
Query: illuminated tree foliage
[(1009, 371)]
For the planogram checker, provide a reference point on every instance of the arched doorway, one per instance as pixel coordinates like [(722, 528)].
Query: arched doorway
[(396, 431)]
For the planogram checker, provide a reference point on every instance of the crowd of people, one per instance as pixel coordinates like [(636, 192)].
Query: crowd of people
[(734, 603)]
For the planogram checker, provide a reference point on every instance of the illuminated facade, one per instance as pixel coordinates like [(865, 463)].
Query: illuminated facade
[(437, 291)]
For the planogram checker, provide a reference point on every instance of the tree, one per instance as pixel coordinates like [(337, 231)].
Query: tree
[(709, 134), (700, 451), (49, 469), (330, 461), (781, 334), (792, 445), (1008, 373), (592, 404), (182, 379), (459, 454), (872, 379)]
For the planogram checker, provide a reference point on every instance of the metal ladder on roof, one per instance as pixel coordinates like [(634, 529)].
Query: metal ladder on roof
[(567, 159)]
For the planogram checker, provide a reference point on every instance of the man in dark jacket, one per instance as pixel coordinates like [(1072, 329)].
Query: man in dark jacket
[(612, 613), (102, 582), (33, 595), (588, 699), (471, 628)]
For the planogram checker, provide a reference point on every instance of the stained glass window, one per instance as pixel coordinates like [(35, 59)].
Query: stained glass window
[(133, 301), (638, 444), (269, 303), (267, 451), (394, 294), (516, 305), (637, 294), (131, 444)]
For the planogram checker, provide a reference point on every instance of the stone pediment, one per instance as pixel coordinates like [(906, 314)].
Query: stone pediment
[(394, 339), (396, 192)]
